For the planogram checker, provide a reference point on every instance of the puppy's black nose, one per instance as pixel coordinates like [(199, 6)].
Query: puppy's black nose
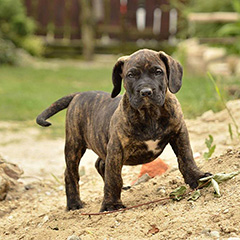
[(146, 92)]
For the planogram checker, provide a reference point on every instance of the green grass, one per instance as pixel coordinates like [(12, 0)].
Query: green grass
[(198, 94), (25, 91)]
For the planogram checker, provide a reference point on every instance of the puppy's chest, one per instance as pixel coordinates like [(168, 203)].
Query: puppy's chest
[(145, 151), (152, 141), (153, 146), (152, 135)]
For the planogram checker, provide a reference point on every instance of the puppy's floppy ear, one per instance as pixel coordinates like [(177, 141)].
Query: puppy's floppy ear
[(174, 72), (117, 76)]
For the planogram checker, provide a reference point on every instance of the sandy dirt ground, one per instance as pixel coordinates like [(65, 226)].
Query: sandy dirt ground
[(36, 209)]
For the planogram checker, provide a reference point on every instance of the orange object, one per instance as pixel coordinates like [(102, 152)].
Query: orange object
[(154, 168)]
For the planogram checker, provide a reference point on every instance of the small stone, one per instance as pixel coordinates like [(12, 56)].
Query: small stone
[(213, 54), (154, 168), (48, 193), (226, 211), (142, 179), (196, 155), (220, 160), (73, 237), (236, 165), (192, 204), (229, 229), (12, 170), (229, 150), (126, 187), (61, 188), (117, 223), (4, 187), (206, 231), (208, 116), (28, 187), (174, 181), (214, 234), (45, 219), (82, 171), (161, 191), (219, 68)]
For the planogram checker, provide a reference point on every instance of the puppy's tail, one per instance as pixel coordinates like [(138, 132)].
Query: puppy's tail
[(56, 107)]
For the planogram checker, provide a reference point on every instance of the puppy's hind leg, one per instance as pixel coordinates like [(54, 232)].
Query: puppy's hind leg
[(73, 153), (100, 166)]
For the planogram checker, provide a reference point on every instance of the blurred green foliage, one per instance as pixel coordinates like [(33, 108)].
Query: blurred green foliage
[(33, 44), (210, 6), (16, 30), (203, 30), (204, 6), (232, 30), (7, 52), (14, 23)]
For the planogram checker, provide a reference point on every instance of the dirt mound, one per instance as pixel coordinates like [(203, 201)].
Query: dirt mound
[(37, 209), (9, 174), (40, 212)]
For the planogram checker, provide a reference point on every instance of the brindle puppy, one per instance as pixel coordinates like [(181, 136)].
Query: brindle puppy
[(126, 130)]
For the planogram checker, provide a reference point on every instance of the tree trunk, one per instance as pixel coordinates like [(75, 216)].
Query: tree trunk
[(87, 26)]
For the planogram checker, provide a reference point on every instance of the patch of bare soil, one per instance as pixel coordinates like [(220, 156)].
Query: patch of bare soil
[(36, 210)]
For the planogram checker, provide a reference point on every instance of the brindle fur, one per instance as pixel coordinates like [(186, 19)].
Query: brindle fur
[(117, 128)]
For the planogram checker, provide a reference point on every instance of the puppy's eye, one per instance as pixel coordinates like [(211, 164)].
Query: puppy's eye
[(158, 71), (130, 75)]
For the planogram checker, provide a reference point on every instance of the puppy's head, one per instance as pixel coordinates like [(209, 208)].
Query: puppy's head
[(146, 76)]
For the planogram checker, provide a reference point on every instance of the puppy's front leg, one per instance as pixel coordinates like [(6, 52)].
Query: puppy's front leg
[(187, 166), (113, 178)]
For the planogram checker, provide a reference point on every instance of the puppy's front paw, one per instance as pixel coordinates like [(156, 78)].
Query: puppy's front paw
[(192, 180), (74, 205), (111, 206)]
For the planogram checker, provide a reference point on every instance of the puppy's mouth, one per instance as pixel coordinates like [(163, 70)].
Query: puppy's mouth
[(156, 100)]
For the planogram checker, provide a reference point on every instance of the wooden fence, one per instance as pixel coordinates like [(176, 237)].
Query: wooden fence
[(61, 19)]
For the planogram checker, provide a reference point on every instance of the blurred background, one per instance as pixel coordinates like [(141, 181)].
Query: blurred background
[(52, 48)]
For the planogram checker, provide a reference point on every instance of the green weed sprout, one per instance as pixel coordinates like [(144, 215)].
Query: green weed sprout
[(228, 110), (211, 148)]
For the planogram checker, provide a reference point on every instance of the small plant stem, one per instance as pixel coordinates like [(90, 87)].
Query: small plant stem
[(223, 102)]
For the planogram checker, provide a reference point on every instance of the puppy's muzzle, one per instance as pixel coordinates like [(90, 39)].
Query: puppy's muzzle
[(146, 92)]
